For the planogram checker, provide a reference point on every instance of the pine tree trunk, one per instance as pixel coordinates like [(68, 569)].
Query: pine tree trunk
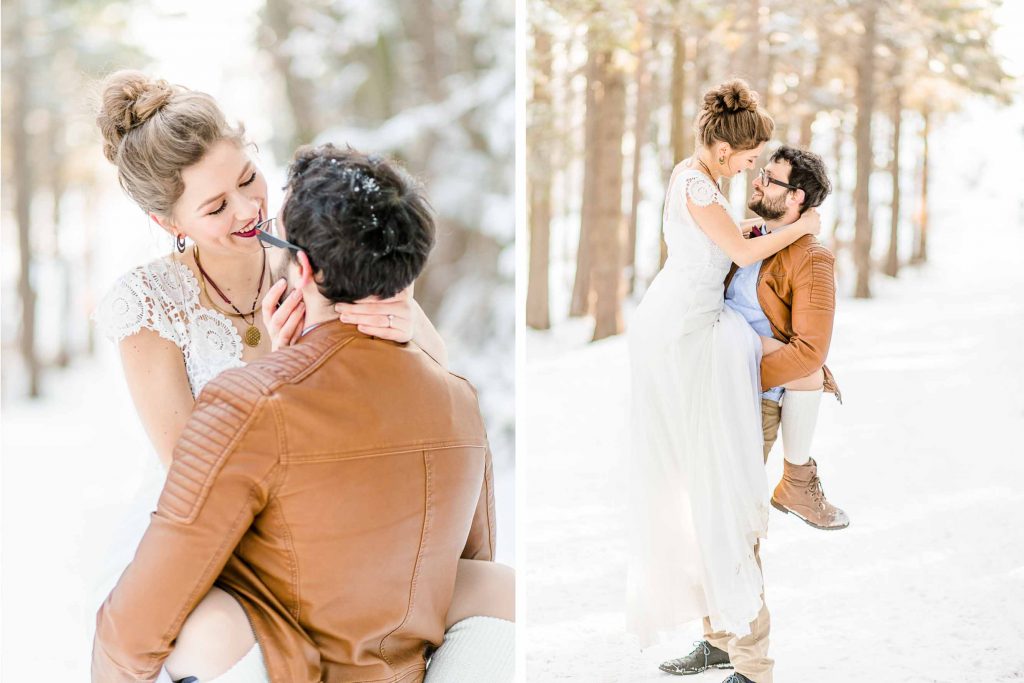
[(680, 134), (22, 164), (865, 158), (806, 100), (837, 185), (892, 261), (539, 178), (921, 244), (581, 303), (641, 120), (679, 129), (605, 165), (62, 269), (276, 32)]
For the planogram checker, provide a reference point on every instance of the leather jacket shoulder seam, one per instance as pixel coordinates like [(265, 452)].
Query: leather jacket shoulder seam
[(315, 456)]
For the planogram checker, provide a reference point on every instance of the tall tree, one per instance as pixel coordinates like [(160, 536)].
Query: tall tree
[(679, 130), (604, 170), (278, 24), (920, 254), (641, 121), (539, 177), (865, 101), (892, 260), (19, 64), (581, 289)]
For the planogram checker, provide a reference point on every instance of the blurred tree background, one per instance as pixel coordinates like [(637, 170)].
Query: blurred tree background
[(615, 86), (431, 84)]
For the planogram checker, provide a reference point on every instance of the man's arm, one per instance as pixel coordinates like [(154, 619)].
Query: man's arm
[(813, 314), (218, 482), (481, 540)]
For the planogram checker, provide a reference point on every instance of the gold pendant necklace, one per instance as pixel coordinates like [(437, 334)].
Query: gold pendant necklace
[(252, 335)]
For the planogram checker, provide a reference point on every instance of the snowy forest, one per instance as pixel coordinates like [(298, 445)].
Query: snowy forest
[(431, 84), (614, 89)]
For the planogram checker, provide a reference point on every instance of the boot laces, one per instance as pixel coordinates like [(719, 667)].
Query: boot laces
[(707, 650), (817, 492)]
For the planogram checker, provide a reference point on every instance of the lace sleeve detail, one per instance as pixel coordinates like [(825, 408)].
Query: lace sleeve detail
[(702, 191), (134, 303)]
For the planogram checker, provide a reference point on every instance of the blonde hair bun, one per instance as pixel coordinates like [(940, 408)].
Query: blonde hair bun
[(731, 114), (153, 130), (730, 97), (129, 99)]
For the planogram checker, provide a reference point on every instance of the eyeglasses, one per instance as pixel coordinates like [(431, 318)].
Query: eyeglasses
[(766, 180), (268, 239)]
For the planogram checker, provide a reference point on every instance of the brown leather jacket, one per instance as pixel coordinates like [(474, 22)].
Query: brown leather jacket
[(797, 291), (331, 487)]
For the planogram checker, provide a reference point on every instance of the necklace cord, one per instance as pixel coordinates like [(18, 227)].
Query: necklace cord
[(237, 314)]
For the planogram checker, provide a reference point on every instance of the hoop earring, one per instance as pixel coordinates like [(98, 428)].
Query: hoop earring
[(179, 242), (721, 161)]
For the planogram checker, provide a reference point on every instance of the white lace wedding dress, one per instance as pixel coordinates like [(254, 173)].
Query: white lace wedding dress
[(162, 296), (698, 490)]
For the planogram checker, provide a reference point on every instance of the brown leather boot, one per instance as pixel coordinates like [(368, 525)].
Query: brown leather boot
[(800, 492)]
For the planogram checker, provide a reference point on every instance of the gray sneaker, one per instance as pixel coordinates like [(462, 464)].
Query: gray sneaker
[(705, 656)]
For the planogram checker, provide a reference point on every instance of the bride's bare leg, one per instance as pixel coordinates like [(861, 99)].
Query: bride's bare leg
[(811, 382), (217, 634), (213, 639), (482, 589), (479, 638)]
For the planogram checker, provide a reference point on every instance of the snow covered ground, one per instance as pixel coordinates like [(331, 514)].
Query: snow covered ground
[(926, 455)]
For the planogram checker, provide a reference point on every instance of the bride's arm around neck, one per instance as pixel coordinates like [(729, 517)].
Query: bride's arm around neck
[(716, 223), (155, 372)]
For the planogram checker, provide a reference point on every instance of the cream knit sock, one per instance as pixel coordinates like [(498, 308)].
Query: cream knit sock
[(475, 650), (799, 417)]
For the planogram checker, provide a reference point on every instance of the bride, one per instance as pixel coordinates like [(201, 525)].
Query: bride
[(699, 494), (183, 318)]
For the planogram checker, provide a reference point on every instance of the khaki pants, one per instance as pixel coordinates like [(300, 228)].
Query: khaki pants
[(749, 654), (771, 418)]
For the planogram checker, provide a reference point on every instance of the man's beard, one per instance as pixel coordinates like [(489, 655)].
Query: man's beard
[(768, 209)]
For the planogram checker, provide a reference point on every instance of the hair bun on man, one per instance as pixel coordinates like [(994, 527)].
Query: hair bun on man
[(129, 99), (730, 97)]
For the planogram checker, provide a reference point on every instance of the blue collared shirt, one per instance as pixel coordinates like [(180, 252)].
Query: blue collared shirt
[(741, 296)]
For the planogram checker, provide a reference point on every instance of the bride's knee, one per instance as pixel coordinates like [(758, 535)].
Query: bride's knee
[(769, 345), (213, 638), (483, 589)]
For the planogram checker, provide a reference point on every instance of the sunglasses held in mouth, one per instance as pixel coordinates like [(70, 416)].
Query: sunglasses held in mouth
[(268, 239)]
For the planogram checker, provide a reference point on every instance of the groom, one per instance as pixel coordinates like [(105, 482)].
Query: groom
[(331, 487), (789, 296)]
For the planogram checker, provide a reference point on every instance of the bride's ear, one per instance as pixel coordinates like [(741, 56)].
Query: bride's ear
[(164, 223)]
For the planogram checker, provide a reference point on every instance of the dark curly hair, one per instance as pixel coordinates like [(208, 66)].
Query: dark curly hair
[(363, 222), (807, 171)]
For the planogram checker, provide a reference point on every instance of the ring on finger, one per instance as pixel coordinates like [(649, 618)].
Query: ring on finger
[(391, 320)]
